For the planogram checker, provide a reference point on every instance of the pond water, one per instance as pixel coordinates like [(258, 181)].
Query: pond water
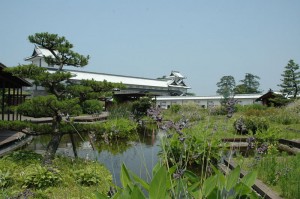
[(139, 156)]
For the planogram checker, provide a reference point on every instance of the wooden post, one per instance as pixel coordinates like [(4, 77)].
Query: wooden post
[(13, 102), (73, 145), (3, 98), (8, 103)]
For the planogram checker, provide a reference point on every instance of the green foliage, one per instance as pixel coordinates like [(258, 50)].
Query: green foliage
[(250, 84), (245, 125), (175, 108), (65, 97), (87, 177), (251, 107), (285, 117), (230, 186), (279, 100), (119, 128), (60, 48), (48, 106), (121, 110), (24, 158), (26, 71), (291, 79), (40, 177), (281, 172), (168, 183), (139, 108), (5, 179), (91, 89), (226, 86), (199, 147), (92, 106), (13, 125), (271, 135), (218, 110), (103, 86), (189, 111), (57, 181)]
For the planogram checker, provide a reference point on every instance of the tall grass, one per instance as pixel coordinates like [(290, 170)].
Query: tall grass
[(281, 172)]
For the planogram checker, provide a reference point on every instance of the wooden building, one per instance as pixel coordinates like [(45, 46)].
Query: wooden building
[(11, 94)]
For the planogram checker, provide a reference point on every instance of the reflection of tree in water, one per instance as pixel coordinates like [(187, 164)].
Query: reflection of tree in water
[(148, 136), (40, 142), (118, 146), (114, 147)]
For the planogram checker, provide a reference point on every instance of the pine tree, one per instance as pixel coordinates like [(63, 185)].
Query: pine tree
[(250, 84), (64, 97), (291, 79), (226, 87)]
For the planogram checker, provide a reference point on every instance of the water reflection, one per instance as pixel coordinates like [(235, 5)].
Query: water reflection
[(140, 155)]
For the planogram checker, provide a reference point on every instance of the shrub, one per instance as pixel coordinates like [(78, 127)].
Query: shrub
[(120, 111), (240, 126), (119, 128), (192, 147), (271, 135), (86, 178), (175, 108), (139, 108), (190, 111), (92, 106), (243, 125), (218, 110)]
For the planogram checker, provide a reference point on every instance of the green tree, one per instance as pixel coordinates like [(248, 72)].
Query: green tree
[(226, 86), (250, 84), (61, 50), (291, 79), (64, 97), (139, 107)]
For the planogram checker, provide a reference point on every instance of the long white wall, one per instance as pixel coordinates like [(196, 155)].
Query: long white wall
[(166, 102)]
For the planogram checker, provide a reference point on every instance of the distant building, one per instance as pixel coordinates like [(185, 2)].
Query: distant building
[(172, 85), (204, 101)]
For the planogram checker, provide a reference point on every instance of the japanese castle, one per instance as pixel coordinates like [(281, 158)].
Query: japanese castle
[(172, 85)]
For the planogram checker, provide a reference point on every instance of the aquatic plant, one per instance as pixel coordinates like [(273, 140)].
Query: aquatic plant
[(173, 183)]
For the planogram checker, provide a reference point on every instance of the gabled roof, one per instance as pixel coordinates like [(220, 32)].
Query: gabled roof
[(176, 74), (10, 80), (39, 52)]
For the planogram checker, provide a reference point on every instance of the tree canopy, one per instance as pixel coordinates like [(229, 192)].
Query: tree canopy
[(250, 85), (64, 97), (291, 79), (61, 50), (226, 86)]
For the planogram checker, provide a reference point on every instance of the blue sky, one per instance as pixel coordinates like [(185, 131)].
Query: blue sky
[(204, 40)]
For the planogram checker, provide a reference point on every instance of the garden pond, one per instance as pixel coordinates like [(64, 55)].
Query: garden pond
[(139, 156)]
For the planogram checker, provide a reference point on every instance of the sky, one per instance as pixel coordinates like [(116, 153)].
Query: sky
[(203, 40)]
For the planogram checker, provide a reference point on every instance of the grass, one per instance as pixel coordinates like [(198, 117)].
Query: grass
[(280, 172)]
